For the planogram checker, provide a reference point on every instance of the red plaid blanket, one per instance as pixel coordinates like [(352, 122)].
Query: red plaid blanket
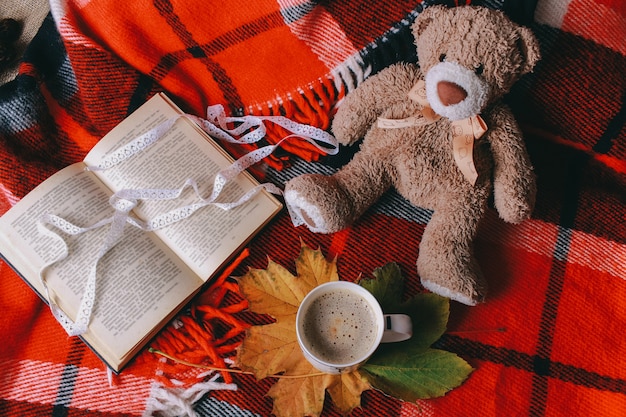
[(548, 342)]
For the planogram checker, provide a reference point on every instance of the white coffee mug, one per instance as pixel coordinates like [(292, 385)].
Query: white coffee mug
[(340, 324)]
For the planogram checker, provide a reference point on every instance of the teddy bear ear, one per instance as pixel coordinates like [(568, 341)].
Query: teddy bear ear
[(426, 17), (529, 48)]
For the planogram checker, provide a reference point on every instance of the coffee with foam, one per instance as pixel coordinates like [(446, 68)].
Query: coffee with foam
[(339, 326)]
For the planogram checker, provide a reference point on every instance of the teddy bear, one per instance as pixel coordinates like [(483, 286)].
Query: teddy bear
[(439, 133)]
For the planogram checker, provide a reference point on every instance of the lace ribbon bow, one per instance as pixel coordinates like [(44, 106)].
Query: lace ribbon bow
[(464, 131)]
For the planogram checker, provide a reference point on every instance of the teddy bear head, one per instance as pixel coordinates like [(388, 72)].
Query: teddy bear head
[(470, 57)]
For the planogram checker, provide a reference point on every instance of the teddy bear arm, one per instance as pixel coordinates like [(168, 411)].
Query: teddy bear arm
[(353, 120), (361, 108), (514, 183)]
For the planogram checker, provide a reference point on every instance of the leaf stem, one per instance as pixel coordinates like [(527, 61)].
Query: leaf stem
[(233, 371), (496, 330)]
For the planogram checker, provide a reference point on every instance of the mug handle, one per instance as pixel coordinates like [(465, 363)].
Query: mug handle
[(398, 328)]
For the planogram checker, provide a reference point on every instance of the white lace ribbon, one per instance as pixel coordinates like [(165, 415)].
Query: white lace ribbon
[(217, 125), (248, 129)]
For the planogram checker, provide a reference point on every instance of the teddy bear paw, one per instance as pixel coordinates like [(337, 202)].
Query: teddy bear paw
[(304, 212), (319, 202), (469, 295)]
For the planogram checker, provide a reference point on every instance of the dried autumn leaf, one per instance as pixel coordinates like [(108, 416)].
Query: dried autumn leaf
[(300, 396), (305, 396), (274, 291), (273, 348), (346, 390), (270, 349)]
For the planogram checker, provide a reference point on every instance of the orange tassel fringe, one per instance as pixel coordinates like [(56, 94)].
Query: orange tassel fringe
[(208, 333)]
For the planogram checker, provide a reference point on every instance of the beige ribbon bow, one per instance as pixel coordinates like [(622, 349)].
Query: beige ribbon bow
[(464, 132)]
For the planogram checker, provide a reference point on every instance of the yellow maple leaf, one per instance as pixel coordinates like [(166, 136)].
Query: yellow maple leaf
[(272, 349)]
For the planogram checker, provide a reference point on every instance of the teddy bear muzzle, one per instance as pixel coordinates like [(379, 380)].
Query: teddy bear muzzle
[(454, 91)]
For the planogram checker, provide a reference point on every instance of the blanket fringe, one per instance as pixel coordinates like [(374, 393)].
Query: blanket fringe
[(208, 333), (313, 105), (316, 103), (177, 402)]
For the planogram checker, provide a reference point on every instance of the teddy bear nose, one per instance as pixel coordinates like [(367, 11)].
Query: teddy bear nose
[(450, 93)]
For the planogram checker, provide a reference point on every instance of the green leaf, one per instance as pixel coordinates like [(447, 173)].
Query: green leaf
[(414, 373), (429, 312), (387, 286), (410, 370)]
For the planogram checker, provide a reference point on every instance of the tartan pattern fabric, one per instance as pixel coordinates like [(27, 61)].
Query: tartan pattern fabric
[(548, 342)]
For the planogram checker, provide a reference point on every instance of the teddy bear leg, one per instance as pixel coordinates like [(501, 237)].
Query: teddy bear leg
[(319, 201), (328, 204), (446, 263)]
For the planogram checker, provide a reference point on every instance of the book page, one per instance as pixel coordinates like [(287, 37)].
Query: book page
[(139, 281), (211, 235)]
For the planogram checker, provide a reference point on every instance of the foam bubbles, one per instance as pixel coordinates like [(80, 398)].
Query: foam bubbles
[(339, 327)]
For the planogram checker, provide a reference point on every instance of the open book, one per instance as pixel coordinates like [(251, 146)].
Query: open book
[(148, 274)]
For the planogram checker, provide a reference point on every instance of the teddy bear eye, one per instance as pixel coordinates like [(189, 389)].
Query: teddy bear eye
[(479, 69), (442, 57)]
